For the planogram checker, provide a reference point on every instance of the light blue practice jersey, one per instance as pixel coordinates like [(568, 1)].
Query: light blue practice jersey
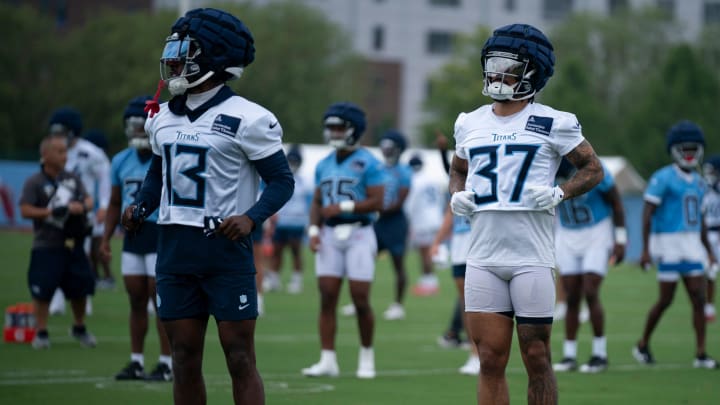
[(677, 195), (128, 172), (460, 225), (295, 213), (348, 180), (396, 178), (587, 209)]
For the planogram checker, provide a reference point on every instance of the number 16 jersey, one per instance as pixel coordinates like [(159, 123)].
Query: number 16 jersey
[(505, 156)]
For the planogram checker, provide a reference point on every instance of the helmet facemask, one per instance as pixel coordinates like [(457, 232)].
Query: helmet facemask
[(687, 155), (178, 64), (339, 133), (507, 77), (391, 152), (135, 132)]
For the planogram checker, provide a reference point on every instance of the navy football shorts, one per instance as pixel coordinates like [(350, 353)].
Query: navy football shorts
[(59, 267)]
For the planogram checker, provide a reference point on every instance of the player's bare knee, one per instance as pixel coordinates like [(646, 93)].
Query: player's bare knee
[(240, 363)]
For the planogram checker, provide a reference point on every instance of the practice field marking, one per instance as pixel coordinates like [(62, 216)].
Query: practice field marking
[(274, 382)]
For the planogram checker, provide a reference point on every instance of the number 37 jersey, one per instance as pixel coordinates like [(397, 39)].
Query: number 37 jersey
[(507, 154)]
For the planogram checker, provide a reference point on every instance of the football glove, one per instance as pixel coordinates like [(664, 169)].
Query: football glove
[(211, 226), (546, 197), (712, 271), (463, 203)]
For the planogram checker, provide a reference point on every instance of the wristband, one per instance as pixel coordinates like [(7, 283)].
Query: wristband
[(347, 206), (313, 231), (621, 235)]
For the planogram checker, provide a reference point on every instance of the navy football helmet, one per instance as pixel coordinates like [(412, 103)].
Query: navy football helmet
[(711, 172), (517, 60), (205, 42), (392, 145), (134, 122), (344, 124), (97, 137), (686, 144), (416, 162), (66, 121)]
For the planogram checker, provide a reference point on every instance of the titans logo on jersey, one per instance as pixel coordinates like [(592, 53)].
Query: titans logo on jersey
[(587, 209), (348, 180), (207, 168), (507, 154), (678, 195)]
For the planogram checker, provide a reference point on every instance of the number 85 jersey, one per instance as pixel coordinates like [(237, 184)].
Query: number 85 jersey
[(506, 155)]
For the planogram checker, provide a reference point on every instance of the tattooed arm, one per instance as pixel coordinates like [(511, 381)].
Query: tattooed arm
[(458, 174), (589, 171)]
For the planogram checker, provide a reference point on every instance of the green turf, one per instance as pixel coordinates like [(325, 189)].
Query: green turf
[(411, 368)]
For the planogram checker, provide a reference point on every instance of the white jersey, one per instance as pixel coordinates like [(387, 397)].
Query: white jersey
[(207, 168), (93, 167), (711, 209), (506, 155), (425, 205)]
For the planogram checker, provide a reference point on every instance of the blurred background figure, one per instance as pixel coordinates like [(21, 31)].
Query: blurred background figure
[(391, 228), (89, 163), (289, 230), (139, 251), (104, 281), (711, 214), (57, 202), (424, 207)]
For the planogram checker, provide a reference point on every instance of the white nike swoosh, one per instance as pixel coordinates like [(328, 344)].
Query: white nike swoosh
[(241, 307)]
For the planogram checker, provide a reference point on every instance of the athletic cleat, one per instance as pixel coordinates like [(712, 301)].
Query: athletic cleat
[(705, 361), (366, 364), (85, 338), (394, 312), (643, 355), (322, 370), (161, 372), (295, 286), (427, 286), (596, 364), (471, 366), (133, 371), (584, 315), (560, 310), (709, 313), (40, 343), (348, 310), (448, 341), (271, 281), (567, 364)]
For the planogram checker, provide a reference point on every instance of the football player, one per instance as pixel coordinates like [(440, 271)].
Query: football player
[(502, 177), (289, 226), (590, 235), (711, 213), (210, 148), (139, 252), (674, 237), (348, 191), (93, 166), (424, 205), (392, 226)]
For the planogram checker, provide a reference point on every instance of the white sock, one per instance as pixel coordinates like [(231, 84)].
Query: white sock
[(570, 348), (166, 360), (709, 308), (297, 275), (599, 347), (328, 356), (138, 357), (367, 355)]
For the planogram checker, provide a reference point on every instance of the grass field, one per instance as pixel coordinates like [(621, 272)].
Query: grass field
[(412, 369)]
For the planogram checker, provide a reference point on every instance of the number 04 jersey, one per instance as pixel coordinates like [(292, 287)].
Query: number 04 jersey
[(505, 156), (207, 163)]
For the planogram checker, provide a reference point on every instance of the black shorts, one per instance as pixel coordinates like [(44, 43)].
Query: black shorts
[(228, 296), (52, 268), (392, 233), (287, 234)]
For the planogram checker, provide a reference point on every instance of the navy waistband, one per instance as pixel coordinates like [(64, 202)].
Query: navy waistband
[(714, 228), (342, 221)]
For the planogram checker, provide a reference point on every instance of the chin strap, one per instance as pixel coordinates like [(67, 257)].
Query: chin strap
[(152, 106)]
